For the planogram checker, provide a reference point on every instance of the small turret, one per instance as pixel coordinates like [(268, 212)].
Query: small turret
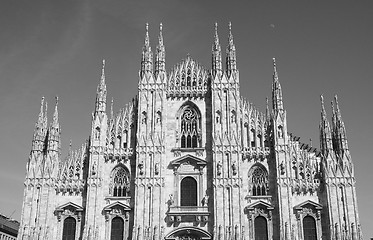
[(160, 57), (216, 54), (147, 55), (277, 103), (101, 92), (231, 60)]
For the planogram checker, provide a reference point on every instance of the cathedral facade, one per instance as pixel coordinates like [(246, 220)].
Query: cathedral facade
[(189, 159)]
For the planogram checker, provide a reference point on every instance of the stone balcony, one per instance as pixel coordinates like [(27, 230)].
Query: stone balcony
[(188, 214)]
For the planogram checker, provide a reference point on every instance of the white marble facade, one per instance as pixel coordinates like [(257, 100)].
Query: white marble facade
[(190, 159)]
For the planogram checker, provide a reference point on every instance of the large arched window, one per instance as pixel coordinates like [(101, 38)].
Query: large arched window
[(190, 127), (258, 180), (120, 182), (117, 229), (188, 192), (309, 228), (69, 228), (261, 230)]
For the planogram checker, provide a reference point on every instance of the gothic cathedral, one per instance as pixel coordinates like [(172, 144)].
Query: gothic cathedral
[(189, 159)]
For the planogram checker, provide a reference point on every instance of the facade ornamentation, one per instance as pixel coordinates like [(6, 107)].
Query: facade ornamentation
[(190, 159)]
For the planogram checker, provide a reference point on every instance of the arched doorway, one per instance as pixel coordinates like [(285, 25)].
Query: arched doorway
[(188, 192), (261, 229), (117, 229), (309, 228), (69, 229)]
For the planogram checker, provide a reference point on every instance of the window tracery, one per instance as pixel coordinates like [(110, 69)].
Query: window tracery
[(120, 182), (190, 128), (259, 181)]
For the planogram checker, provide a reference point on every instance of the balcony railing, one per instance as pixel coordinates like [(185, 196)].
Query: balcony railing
[(188, 210)]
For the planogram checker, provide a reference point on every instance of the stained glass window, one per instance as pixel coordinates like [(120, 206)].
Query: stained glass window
[(121, 182), (190, 128), (259, 181)]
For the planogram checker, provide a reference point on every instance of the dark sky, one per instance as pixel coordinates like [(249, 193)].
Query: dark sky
[(53, 48)]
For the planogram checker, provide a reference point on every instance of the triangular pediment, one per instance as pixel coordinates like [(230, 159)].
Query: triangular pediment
[(117, 205), (188, 159), (308, 204), (69, 205), (259, 204)]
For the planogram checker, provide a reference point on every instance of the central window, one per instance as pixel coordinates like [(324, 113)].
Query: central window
[(117, 229), (259, 180), (190, 128), (261, 231), (188, 192), (120, 182)]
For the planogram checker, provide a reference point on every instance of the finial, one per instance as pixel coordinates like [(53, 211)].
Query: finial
[(147, 34), (275, 74), (103, 71), (56, 100), (322, 104), (42, 106), (230, 38), (111, 108), (310, 142), (336, 103), (216, 28), (160, 34)]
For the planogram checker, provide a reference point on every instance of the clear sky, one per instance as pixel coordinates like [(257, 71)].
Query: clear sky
[(50, 48)]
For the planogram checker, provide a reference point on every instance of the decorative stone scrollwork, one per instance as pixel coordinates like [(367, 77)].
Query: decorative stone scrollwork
[(308, 208)]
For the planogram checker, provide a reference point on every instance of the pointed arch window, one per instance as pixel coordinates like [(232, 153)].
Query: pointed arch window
[(69, 228), (117, 229), (309, 228), (190, 128), (259, 180), (261, 229), (120, 182)]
